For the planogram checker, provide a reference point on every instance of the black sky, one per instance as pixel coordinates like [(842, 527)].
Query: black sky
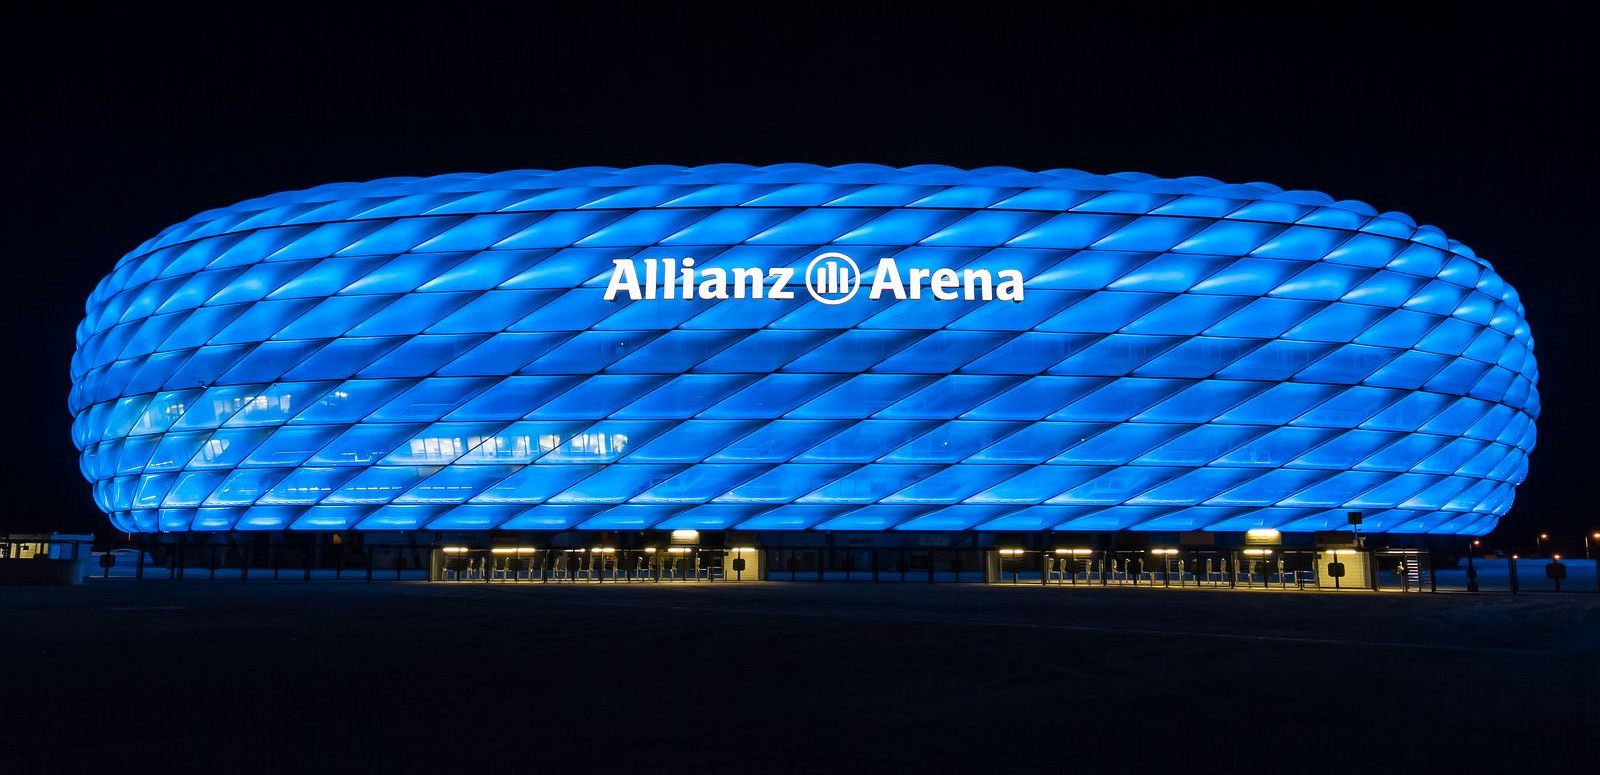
[(117, 124)]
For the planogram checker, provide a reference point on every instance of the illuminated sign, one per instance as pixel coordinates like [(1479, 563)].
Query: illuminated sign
[(831, 278)]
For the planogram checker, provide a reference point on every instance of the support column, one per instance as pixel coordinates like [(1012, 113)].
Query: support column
[(991, 567)]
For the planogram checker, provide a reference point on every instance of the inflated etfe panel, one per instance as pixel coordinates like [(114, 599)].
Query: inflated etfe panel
[(799, 347)]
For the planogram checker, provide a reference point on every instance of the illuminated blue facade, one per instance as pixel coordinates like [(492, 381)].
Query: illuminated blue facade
[(437, 353)]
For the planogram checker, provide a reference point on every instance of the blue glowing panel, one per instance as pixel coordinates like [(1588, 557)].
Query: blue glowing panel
[(441, 353)]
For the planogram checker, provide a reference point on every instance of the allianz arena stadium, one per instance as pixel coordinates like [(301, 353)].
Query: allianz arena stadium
[(612, 355)]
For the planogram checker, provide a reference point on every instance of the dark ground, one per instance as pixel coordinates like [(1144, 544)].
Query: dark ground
[(353, 677)]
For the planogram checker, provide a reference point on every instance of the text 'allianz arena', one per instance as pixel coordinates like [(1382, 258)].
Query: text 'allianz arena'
[(439, 353)]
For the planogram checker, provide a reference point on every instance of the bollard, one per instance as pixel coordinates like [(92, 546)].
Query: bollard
[(1512, 566)]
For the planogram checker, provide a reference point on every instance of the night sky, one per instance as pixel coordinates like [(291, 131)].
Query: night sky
[(116, 125)]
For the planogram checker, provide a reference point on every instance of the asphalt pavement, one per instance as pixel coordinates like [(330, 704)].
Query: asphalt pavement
[(781, 677)]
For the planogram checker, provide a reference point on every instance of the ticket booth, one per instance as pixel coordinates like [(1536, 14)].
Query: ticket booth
[(1344, 568)]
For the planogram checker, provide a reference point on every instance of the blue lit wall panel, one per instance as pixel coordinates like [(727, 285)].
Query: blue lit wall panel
[(438, 353)]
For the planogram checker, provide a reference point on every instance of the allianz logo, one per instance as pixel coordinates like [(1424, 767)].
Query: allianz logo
[(830, 278)]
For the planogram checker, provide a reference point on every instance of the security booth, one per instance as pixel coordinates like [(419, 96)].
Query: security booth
[(1343, 562), (1344, 568), (743, 563), (43, 558)]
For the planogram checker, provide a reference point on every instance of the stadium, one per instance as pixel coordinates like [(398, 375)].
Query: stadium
[(486, 373)]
